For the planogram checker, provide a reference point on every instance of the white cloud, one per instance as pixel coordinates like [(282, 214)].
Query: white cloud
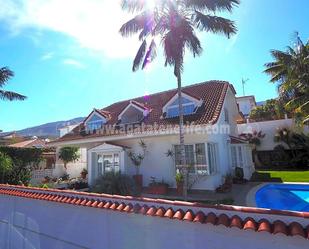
[(74, 63), (47, 56), (94, 24)]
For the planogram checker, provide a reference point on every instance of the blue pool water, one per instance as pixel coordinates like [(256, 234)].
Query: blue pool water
[(293, 197)]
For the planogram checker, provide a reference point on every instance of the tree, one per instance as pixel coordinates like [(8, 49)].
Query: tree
[(290, 69), (272, 110), (174, 23), (6, 166), (5, 75), (24, 160), (68, 154)]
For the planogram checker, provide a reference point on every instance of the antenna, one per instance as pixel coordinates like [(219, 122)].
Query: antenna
[(243, 82)]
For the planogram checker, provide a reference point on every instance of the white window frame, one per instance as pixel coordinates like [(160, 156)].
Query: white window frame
[(226, 115), (207, 157), (240, 161), (177, 106), (197, 102), (103, 166), (131, 104), (94, 113)]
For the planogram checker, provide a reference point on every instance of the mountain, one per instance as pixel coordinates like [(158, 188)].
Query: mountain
[(49, 129)]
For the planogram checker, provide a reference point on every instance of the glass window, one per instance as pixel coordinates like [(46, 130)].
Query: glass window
[(100, 165), (189, 152), (237, 156), (95, 123), (212, 155), (240, 158), (195, 156), (108, 163), (201, 162), (234, 156), (226, 116), (188, 108), (116, 162)]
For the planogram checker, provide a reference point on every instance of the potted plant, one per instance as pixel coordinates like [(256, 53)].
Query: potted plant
[(84, 173), (137, 159), (239, 176), (179, 182), (46, 179), (226, 187), (157, 188)]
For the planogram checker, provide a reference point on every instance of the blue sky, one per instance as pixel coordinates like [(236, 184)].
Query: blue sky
[(68, 57)]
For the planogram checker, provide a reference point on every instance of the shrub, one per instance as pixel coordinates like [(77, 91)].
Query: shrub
[(64, 177), (24, 160), (78, 184), (115, 183), (239, 173), (6, 166)]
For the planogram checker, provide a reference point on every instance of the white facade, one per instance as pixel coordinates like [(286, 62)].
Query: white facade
[(113, 149), (246, 104), (269, 128)]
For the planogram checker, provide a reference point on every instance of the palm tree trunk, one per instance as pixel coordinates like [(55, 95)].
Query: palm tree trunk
[(182, 139)]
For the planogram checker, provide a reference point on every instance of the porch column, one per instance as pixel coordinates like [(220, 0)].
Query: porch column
[(91, 164)]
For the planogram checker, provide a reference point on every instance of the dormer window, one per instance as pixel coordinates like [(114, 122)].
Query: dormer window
[(189, 105), (95, 121), (134, 113)]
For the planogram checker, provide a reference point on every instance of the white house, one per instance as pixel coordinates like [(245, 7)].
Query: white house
[(246, 104), (213, 148)]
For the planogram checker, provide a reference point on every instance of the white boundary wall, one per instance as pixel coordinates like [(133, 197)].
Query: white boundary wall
[(28, 224), (269, 128)]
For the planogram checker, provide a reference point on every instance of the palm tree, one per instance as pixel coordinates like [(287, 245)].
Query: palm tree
[(5, 75), (174, 22), (290, 69)]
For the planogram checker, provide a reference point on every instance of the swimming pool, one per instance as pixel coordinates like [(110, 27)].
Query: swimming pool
[(293, 197)]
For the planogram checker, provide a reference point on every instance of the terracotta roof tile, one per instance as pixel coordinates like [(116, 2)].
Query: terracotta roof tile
[(212, 93), (169, 213), (296, 229), (224, 220), (236, 222), (127, 205), (199, 217), (211, 218), (250, 224), (280, 227), (264, 226)]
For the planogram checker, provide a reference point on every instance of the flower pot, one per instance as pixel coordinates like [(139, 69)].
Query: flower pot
[(83, 175), (160, 189), (179, 188), (138, 179)]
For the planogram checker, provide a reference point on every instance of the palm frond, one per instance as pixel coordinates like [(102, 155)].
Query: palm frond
[(133, 5), (194, 44), (134, 25), (280, 55), (139, 56), (5, 75), (214, 24), (212, 5), (7, 95), (151, 54)]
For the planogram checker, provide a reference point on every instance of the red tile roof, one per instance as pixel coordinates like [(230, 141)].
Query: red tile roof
[(177, 210), (212, 93), (33, 143)]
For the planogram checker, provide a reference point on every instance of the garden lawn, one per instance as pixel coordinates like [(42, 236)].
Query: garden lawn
[(281, 176)]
